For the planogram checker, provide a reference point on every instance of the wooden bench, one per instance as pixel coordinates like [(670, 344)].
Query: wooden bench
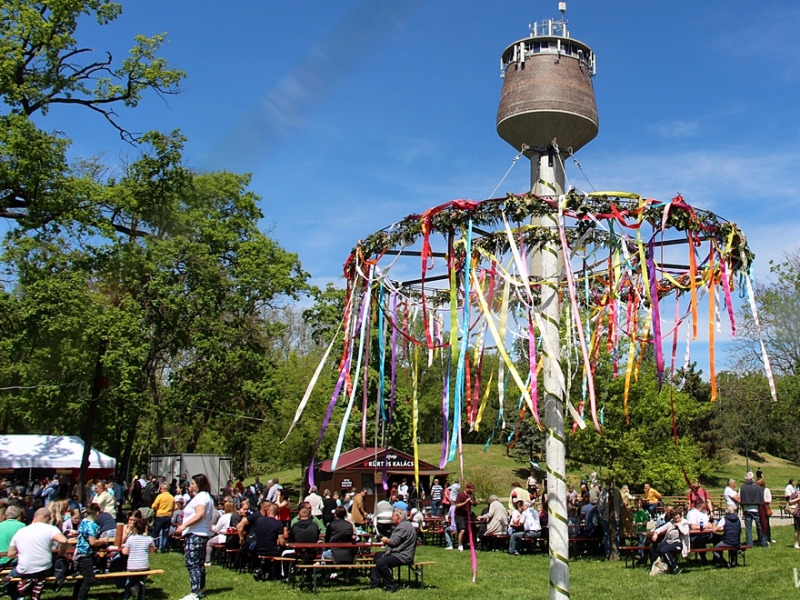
[(495, 541), (627, 552), (584, 543), (316, 569), (783, 506), (742, 550), (278, 560), (102, 576), (415, 572)]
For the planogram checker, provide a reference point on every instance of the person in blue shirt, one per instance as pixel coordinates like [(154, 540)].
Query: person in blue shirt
[(83, 560)]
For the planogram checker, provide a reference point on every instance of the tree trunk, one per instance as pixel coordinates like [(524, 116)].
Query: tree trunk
[(612, 523), (125, 468), (98, 385)]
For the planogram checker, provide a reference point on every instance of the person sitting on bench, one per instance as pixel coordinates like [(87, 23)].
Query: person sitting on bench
[(676, 539), (32, 547), (731, 528), (401, 547)]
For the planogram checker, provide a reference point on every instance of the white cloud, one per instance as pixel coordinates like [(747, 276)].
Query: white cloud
[(675, 129)]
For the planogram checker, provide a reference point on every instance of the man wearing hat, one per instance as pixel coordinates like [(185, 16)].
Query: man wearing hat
[(464, 503)]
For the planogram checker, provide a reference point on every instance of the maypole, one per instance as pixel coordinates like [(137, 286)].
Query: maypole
[(499, 271), (547, 179), (548, 100)]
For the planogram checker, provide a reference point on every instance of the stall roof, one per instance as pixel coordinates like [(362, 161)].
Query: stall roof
[(48, 452), (364, 459)]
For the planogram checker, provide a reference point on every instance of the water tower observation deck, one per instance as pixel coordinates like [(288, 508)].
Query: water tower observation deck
[(547, 89)]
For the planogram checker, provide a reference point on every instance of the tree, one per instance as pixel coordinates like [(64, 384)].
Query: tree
[(743, 412), (42, 64), (135, 307), (778, 304), (641, 448)]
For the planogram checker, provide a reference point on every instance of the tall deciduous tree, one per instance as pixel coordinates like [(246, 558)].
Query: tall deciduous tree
[(159, 280), (778, 303)]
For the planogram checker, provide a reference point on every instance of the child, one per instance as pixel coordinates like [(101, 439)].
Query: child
[(641, 518), (137, 548), (83, 559)]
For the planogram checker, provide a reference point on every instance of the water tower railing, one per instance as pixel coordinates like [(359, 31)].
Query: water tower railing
[(556, 46), (549, 27)]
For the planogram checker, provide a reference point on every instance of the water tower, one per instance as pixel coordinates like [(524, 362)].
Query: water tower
[(547, 89), (547, 109)]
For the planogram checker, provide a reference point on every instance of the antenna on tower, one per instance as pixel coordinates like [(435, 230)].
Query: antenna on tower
[(562, 7)]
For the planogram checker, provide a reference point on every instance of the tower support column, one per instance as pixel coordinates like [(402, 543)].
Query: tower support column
[(548, 179)]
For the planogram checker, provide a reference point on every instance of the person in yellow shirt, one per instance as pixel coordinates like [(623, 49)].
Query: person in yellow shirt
[(164, 504), (652, 499)]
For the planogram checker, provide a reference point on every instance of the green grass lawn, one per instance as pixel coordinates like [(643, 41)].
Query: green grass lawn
[(768, 575), (777, 472)]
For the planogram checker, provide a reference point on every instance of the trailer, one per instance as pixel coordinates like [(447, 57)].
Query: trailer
[(173, 466)]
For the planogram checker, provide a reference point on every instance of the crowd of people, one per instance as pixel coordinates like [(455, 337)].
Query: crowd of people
[(260, 519)]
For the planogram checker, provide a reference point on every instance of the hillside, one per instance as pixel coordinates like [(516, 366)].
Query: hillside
[(493, 472)]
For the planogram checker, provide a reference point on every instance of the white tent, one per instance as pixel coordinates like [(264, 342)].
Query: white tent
[(48, 452)]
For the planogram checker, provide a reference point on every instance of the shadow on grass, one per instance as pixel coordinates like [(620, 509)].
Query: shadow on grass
[(218, 590)]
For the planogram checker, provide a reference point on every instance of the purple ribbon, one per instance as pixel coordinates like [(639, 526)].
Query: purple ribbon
[(651, 267)]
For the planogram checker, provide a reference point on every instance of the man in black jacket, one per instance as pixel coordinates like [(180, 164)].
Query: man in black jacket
[(340, 531)]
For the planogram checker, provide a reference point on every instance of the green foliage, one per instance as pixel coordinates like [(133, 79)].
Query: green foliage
[(641, 447), (41, 61), (778, 304), (161, 274), (743, 412)]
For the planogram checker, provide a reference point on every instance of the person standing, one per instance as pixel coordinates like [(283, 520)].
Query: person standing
[(137, 548), (315, 500), (436, 498), (696, 492), (329, 507), (149, 491), (752, 498), (402, 490), (358, 513), (732, 499), (792, 504), (196, 529), (272, 492), (464, 503), (609, 502), (400, 549), (764, 513), (789, 490), (164, 505)]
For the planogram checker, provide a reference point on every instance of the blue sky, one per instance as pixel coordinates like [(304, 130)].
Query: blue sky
[(355, 113)]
